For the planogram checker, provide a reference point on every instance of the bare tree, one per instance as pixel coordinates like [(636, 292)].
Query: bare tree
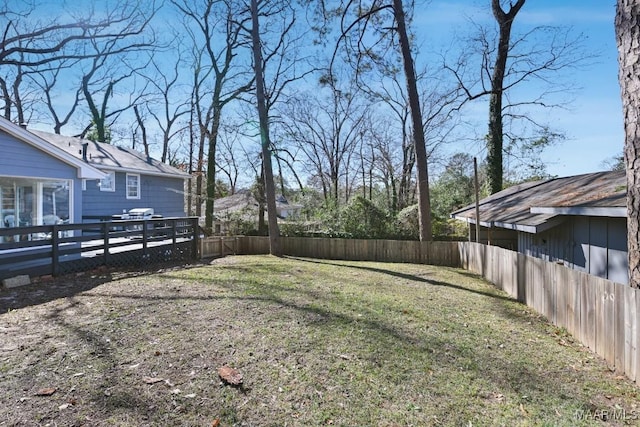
[(627, 26), (228, 154), (363, 25), (108, 67), (48, 81), (166, 103), (507, 60), (32, 46), (143, 131), (217, 26), (494, 138), (263, 116), (276, 65), (327, 132)]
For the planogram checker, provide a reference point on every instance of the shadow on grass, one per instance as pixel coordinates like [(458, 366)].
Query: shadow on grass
[(48, 289), (406, 277)]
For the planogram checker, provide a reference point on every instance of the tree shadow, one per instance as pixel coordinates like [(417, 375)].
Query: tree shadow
[(409, 277), (46, 289)]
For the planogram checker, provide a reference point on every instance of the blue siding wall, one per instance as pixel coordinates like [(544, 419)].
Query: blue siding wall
[(164, 194), (20, 159), (595, 245)]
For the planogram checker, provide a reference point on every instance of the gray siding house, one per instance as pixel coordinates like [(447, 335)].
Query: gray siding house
[(579, 221), (48, 179), (132, 180)]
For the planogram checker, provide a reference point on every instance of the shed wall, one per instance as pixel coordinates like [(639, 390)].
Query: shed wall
[(594, 245)]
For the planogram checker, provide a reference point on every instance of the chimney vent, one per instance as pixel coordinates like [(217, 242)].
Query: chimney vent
[(84, 151)]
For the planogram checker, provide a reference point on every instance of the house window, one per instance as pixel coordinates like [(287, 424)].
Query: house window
[(108, 183), (133, 186), (27, 202)]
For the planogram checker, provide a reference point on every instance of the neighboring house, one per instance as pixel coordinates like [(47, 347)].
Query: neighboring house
[(243, 206), (285, 209), (47, 179), (579, 221)]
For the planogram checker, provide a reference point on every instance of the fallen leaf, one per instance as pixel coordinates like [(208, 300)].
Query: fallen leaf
[(46, 391), (64, 406), (230, 375), (152, 380), (215, 423)]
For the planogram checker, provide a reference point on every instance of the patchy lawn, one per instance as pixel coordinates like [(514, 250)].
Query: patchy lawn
[(317, 343)]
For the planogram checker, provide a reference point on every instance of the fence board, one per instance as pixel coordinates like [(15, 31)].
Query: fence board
[(562, 297), (574, 293), (549, 283), (513, 275), (605, 333), (630, 333), (618, 327), (636, 335), (588, 307)]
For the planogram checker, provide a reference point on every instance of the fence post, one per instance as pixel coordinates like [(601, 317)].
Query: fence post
[(55, 253)]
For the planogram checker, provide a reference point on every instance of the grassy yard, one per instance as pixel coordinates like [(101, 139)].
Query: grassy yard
[(317, 342)]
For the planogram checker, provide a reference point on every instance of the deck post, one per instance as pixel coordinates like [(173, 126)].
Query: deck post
[(105, 239), (55, 253), (196, 236)]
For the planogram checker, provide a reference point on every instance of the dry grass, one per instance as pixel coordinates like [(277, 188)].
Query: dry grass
[(317, 342)]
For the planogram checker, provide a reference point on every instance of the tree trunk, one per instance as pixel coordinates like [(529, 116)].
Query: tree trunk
[(143, 129), (424, 204), (495, 135), (200, 171), (274, 232), (627, 35), (7, 99), (211, 166)]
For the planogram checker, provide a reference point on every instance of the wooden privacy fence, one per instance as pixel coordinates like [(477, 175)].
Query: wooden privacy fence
[(220, 246), (601, 314), (435, 253)]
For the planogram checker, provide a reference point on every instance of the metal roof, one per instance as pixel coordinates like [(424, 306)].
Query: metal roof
[(536, 206), (111, 157)]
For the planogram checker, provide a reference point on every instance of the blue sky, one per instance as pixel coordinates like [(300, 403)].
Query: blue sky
[(592, 122)]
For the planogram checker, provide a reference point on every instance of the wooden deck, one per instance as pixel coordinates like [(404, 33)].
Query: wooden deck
[(76, 247)]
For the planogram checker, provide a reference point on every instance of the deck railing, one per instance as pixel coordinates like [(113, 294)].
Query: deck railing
[(67, 248)]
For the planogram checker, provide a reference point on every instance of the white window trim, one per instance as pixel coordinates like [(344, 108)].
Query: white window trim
[(137, 197), (112, 188)]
